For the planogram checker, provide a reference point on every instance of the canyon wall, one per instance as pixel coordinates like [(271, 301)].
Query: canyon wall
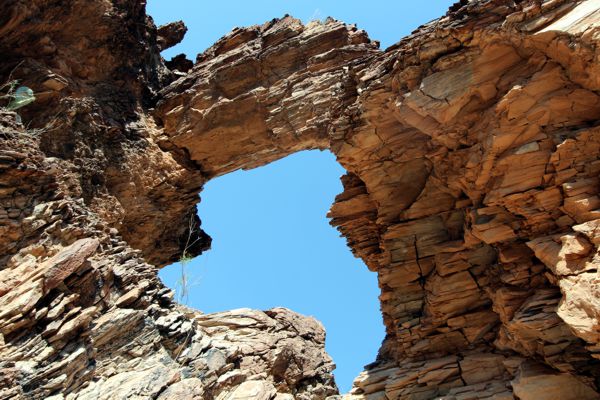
[(472, 148)]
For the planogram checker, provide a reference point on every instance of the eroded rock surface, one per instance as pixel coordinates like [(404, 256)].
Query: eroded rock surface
[(472, 149)]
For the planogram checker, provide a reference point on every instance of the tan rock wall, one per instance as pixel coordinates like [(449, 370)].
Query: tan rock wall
[(472, 191)]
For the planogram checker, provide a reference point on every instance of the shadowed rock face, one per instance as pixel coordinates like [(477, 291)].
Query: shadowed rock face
[(472, 150)]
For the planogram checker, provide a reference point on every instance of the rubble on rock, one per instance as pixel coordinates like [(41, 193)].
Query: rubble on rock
[(472, 149)]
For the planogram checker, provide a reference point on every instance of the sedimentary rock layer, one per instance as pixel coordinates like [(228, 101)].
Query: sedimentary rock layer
[(472, 149)]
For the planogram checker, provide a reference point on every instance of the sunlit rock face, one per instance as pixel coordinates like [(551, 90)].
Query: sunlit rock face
[(472, 152)]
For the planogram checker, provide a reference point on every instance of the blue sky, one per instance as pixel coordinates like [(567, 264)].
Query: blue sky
[(272, 245)]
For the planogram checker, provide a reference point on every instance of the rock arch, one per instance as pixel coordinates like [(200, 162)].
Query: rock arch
[(450, 143), (472, 153)]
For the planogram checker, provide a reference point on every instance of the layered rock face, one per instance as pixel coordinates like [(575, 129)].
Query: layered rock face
[(472, 150)]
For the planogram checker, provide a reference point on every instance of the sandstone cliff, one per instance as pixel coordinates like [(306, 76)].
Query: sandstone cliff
[(473, 153)]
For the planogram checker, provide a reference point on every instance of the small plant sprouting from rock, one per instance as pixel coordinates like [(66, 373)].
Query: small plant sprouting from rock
[(16, 96), (8, 89), (183, 285), (21, 97)]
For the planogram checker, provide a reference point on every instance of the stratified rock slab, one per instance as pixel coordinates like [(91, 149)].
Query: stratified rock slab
[(473, 153)]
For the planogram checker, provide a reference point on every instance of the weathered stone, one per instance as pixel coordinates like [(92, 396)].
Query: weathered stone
[(259, 390), (67, 262), (536, 383), (187, 389), (170, 34), (472, 153)]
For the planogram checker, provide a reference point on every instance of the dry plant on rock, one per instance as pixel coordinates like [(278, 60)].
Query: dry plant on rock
[(183, 285)]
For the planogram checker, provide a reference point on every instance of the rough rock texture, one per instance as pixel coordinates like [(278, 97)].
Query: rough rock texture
[(473, 154)]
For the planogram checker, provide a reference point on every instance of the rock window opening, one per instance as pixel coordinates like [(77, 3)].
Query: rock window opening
[(272, 247)]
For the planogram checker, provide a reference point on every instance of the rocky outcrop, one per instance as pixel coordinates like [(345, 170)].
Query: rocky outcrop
[(472, 191)]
